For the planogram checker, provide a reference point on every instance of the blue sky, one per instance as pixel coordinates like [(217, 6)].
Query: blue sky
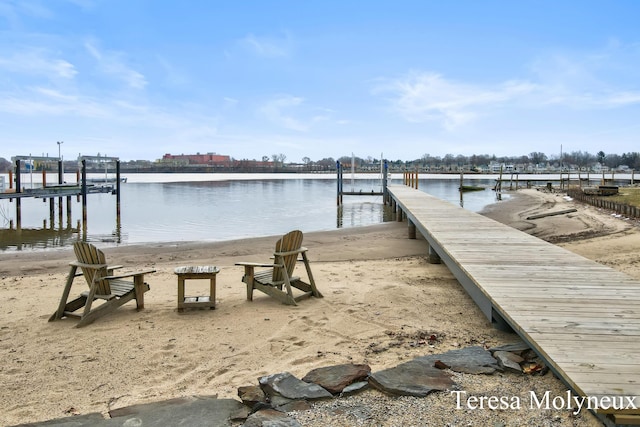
[(139, 78)]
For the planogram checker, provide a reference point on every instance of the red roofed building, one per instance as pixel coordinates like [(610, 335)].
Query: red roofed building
[(211, 159)]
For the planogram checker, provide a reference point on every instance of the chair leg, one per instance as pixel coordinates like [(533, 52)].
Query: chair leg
[(312, 282), (138, 286), (65, 295), (248, 279)]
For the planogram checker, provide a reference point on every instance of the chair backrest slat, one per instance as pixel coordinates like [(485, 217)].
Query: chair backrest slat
[(87, 253), (291, 241)]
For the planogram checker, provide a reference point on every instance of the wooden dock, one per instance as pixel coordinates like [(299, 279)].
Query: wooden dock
[(581, 317)]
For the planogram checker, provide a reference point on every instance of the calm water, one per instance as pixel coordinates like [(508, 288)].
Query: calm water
[(188, 207)]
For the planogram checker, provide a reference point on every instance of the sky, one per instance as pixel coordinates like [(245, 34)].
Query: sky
[(136, 79)]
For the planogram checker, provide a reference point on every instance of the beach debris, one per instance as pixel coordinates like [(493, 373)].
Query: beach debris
[(411, 339), (535, 368), (72, 411), (335, 378), (286, 385), (546, 214)]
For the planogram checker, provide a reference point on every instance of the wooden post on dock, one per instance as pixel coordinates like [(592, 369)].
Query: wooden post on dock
[(117, 189), (84, 193), (18, 202), (60, 181), (339, 183), (385, 191)]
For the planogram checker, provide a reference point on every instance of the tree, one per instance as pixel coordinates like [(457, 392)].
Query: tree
[(278, 159), (265, 158), (601, 156), (306, 160), (537, 157)]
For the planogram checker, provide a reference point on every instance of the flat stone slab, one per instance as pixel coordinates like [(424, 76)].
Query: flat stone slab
[(187, 411), (94, 419), (414, 378), (420, 376), (252, 394), (270, 418), (514, 347), (335, 378), (194, 410), (509, 360), (286, 385), (468, 360), (355, 388)]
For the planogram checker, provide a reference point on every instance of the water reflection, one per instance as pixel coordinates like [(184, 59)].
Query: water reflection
[(354, 214), (37, 238), (209, 211)]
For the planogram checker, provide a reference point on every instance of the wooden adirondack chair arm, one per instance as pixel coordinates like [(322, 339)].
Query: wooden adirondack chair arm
[(110, 268), (257, 264), (90, 266), (297, 251), (132, 274)]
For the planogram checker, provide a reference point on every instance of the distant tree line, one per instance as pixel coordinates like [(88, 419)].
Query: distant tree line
[(581, 159), (276, 162)]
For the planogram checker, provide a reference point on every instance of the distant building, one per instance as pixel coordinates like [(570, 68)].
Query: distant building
[(210, 159)]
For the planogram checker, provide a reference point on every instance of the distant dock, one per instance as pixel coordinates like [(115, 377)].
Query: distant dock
[(60, 190)]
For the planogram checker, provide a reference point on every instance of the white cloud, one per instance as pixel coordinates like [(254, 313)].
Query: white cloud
[(37, 62), (113, 63), (590, 81), (269, 47), (230, 102), (274, 111), (420, 97)]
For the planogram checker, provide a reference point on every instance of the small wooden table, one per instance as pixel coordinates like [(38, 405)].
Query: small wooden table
[(197, 272)]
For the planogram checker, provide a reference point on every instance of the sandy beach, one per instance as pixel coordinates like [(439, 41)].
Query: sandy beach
[(380, 296)]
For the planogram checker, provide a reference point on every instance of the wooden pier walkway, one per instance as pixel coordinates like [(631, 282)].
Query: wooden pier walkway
[(581, 317)]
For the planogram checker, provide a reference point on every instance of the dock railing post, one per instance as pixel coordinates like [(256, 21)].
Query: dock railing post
[(84, 195), (18, 191), (60, 181), (338, 184), (385, 192), (117, 189)]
